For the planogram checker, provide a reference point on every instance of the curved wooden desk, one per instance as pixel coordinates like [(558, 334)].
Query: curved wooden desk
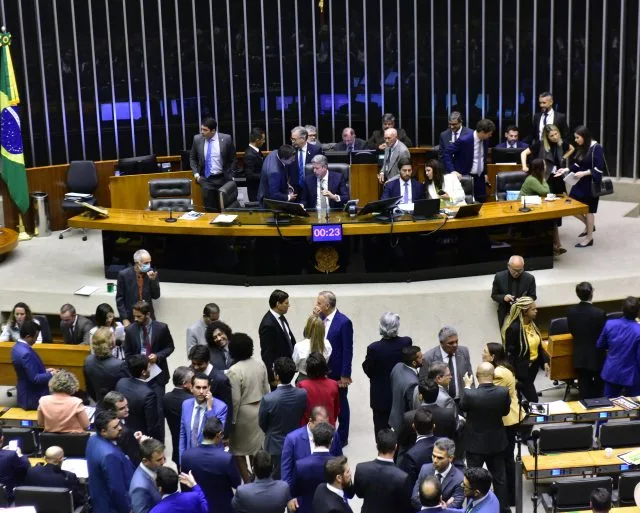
[(8, 242)]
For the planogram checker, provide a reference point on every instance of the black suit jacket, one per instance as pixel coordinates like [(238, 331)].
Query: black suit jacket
[(273, 342), (358, 144), (381, 358), (585, 325), (13, 469), (445, 140), (127, 292), (52, 476), (444, 420), (382, 486), (221, 389), (252, 163), (325, 501), (485, 407), (161, 345), (227, 155), (280, 413), (80, 333), (102, 374), (143, 407), (504, 283), (559, 119), (412, 460), (172, 404)]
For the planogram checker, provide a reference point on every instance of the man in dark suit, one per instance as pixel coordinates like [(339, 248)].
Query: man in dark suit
[(382, 486), (324, 186), (173, 406), (276, 338), (468, 156), (13, 467), (430, 496), (212, 159), (51, 475), (447, 474), (349, 141), (376, 141), (281, 410), (118, 404), (585, 325), (298, 444), (511, 284), (304, 153), (213, 468), (331, 497), (137, 283), (253, 160), (404, 380), (548, 116), (142, 400), (381, 358), (512, 139), (32, 376), (75, 328), (265, 494), (486, 440), (339, 331), (143, 490), (174, 501), (453, 355), (412, 460), (453, 133), (101, 369), (405, 186), (274, 177), (110, 471)]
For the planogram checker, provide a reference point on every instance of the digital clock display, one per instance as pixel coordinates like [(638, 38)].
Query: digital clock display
[(326, 232)]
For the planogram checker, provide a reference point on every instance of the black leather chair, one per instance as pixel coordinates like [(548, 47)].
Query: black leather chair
[(225, 197), (620, 434), (508, 181), (73, 444), (26, 438), (3, 496), (170, 194), (573, 494), (82, 178), (561, 438), (467, 186), (627, 482), (46, 499)]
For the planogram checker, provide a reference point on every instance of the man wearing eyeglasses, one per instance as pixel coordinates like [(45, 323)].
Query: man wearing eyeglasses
[(511, 284)]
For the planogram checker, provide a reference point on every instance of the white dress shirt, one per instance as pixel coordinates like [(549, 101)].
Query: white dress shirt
[(551, 117), (284, 326), (478, 155), (445, 360)]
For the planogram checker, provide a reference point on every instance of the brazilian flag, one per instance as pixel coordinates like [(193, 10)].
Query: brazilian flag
[(13, 172)]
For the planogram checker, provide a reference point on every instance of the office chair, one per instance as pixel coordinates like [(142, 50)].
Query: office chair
[(619, 434), (26, 438), (627, 483), (73, 444), (3, 497), (170, 194), (82, 178), (564, 438), (560, 326), (467, 186), (573, 494), (508, 181), (46, 499)]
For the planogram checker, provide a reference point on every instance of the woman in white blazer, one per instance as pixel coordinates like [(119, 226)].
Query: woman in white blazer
[(441, 186)]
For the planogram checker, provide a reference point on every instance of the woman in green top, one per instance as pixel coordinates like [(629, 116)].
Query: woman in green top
[(536, 185)]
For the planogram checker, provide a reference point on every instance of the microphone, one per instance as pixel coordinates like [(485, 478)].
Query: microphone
[(170, 219), (524, 207)]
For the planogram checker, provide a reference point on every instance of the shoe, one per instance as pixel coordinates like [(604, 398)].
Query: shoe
[(584, 233), (559, 251), (580, 245)]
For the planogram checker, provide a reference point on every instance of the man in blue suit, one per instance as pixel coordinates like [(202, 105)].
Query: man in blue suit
[(512, 139), (339, 331), (110, 470), (13, 467), (430, 496), (213, 467), (143, 490), (477, 490), (468, 156), (174, 501), (265, 494), (309, 471), (33, 378), (405, 186), (298, 444), (197, 410), (324, 185), (453, 133), (274, 177), (281, 410), (304, 152)]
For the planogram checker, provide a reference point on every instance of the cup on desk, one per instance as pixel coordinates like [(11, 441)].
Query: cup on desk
[(608, 452), (111, 287)]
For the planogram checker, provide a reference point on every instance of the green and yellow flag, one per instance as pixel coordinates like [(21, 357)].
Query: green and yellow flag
[(13, 172)]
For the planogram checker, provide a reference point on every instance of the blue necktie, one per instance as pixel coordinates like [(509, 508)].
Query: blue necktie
[(207, 160), (195, 428), (405, 198), (300, 167)]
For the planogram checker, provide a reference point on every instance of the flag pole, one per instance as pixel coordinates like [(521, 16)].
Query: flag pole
[(22, 233)]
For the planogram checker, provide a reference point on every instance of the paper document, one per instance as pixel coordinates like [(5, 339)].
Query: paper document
[(532, 200), (85, 291), (76, 465), (571, 179), (77, 195), (631, 457), (90, 411), (405, 207), (154, 371), (191, 216), (224, 219)]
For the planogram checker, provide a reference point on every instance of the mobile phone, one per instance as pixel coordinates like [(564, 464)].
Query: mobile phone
[(13, 445)]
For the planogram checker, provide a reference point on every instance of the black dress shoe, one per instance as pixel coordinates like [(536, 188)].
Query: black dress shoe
[(579, 245), (584, 233)]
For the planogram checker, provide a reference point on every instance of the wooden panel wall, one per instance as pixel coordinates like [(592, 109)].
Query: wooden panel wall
[(132, 192)]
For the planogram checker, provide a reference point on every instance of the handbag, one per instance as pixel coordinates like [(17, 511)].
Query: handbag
[(605, 187)]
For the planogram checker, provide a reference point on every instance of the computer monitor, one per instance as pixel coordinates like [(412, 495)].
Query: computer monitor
[(128, 166), (147, 164), (137, 165), (338, 157), (364, 157), (283, 211), (383, 207), (506, 155)]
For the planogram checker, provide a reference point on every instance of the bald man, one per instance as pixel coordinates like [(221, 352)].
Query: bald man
[(512, 283), (431, 496), (486, 436), (51, 475), (394, 150)]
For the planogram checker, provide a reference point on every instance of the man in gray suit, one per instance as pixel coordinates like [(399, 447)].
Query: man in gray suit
[(75, 328), (404, 380), (440, 373), (394, 150), (265, 494), (281, 410), (454, 356), (212, 159)]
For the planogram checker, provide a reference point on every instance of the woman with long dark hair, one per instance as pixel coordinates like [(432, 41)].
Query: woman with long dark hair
[(20, 313), (441, 186), (105, 318)]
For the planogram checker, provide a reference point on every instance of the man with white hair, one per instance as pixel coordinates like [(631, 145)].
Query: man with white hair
[(394, 151), (137, 283), (304, 153), (324, 188), (509, 285)]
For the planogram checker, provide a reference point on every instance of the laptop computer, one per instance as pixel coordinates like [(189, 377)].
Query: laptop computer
[(597, 402), (426, 208), (468, 210)]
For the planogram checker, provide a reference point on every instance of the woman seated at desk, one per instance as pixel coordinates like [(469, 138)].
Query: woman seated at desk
[(61, 412), (440, 186), (11, 331)]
